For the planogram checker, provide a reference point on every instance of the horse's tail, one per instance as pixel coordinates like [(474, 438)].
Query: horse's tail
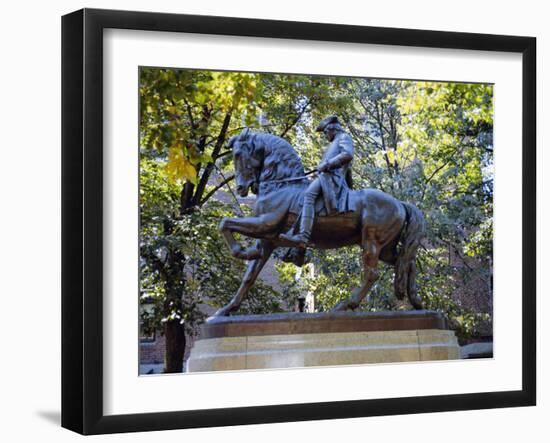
[(405, 266)]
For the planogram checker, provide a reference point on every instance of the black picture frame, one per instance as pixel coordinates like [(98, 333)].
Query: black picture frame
[(82, 219)]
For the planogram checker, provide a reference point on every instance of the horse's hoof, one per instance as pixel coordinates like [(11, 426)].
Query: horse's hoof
[(342, 306), (222, 312)]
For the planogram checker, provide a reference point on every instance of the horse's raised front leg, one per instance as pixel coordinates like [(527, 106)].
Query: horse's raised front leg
[(252, 272), (255, 227), (371, 253)]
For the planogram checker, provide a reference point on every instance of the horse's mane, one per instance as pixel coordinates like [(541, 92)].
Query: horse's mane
[(280, 159)]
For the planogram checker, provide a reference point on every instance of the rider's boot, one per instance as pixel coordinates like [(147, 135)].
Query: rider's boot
[(301, 239)]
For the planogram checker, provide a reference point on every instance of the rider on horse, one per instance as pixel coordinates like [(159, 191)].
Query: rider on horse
[(333, 181)]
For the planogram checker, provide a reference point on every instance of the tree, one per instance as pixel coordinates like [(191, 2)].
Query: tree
[(186, 117), (428, 143)]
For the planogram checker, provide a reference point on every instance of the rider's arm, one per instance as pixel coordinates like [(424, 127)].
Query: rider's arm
[(344, 157), (340, 160)]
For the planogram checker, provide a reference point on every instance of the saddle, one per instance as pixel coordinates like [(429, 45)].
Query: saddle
[(321, 209)]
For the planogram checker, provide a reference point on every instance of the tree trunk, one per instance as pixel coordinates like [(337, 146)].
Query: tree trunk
[(175, 346)]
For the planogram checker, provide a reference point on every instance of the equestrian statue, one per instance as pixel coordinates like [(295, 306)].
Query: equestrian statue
[(324, 213)]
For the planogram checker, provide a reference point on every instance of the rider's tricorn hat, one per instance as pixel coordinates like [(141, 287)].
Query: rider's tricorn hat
[(332, 120)]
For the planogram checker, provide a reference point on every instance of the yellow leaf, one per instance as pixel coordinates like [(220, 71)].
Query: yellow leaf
[(179, 167), (391, 157), (189, 172)]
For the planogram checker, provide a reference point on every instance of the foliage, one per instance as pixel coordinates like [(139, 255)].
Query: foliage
[(208, 275), (160, 248), (428, 143), (186, 118)]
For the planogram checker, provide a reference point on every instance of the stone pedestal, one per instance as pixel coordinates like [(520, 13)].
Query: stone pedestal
[(293, 340)]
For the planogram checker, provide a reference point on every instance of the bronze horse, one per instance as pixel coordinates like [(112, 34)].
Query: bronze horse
[(385, 228)]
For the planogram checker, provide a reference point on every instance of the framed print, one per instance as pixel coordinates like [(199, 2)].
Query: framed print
[(346, 212)]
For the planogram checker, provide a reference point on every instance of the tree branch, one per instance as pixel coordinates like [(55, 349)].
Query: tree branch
[(296, 119), (433, 174), (210, 166), (381, 127), (231, 191), (223, 154), (216, 188), (190, 115), (186, 196)]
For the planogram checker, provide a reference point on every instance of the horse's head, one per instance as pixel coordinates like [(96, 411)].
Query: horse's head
[(247, 161)]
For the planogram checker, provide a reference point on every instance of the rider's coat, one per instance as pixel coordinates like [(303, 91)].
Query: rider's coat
[(334, 183)]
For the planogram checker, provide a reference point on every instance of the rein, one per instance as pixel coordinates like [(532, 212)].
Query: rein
[(291, 179)]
